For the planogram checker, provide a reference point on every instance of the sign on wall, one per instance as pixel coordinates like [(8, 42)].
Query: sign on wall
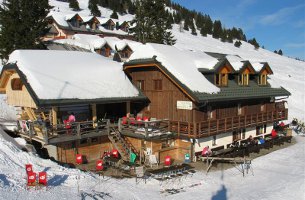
[(184, 105)]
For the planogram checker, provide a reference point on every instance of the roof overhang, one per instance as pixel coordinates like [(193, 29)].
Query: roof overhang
[(13, 68)]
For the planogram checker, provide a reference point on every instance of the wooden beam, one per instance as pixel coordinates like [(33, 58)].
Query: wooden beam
[(93, 109), (54, 115), (127, 107)]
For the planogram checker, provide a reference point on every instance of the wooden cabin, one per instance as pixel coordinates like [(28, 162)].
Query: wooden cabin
[(49, 85), (234, 110), (105, 50), (108, 24)]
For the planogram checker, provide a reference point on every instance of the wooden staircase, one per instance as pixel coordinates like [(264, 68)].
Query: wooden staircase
[(124, 147)]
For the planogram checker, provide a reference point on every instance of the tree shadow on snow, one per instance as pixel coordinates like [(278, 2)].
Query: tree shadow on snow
[(221, 194), (57, 180), (4, 180)]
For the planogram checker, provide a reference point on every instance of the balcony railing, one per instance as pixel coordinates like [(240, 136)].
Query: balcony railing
[(213, 127)]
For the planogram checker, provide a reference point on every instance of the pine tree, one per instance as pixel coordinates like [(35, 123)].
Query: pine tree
[(74, 5), (186, 25), (280, 52), (203, 31), (114, 15), (217, 29), (275, 51), (92, 5), (152, 22), (254, 43), (208, 25), (26, 29)]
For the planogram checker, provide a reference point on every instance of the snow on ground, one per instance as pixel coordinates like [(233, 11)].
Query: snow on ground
[(279, 175)]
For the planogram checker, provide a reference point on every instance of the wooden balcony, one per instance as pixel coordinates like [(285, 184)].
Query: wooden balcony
[(213, 127), (62, 133)]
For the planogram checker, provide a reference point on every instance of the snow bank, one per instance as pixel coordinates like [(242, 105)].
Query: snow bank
[(72, 75), (183, 64)]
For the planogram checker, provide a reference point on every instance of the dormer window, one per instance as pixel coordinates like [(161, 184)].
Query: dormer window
[(243, 79), (221, 79), (262, 79)]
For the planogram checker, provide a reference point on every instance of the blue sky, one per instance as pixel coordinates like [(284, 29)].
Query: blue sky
[(276, 24)]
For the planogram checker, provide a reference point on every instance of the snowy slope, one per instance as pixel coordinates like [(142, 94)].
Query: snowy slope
[(278, 175)]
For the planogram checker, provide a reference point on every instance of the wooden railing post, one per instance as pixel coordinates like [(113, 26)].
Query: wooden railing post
[(225, 124), (169, 128), (188, 129), (199, 129), (78, 130), (146, 129), (119, 124), (209, 127), (178, 124), (272, 119), (45, 133), (238, 121), (217, 126), (231, 123), (195, 129)]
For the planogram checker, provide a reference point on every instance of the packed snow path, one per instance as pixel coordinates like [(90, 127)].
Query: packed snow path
[(279, 175)]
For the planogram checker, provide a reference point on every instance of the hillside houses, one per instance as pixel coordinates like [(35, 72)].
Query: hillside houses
[(162, 100), (106, 46), (64, 26)]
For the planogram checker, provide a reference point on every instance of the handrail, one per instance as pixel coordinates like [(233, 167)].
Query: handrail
[(215, 126)]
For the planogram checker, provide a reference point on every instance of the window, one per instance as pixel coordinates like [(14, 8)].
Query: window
[(214, 140), (262, 79), (16, 84), (263, 108), (221, 79), (140, 84), (243, 79), (158, 84), (83, 141)]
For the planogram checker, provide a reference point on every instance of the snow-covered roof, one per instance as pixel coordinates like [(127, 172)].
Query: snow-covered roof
[(182, 64), (257, 66), (116, 43), (59, 18), (236, 61), (114, 31), (70, 16), (74, 42), (103, 20), (73, 75), (86, 18), (93, 41)]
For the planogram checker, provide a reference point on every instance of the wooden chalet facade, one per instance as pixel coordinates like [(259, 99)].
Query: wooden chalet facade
[(89, 135), (244, 106), (175, 115)]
